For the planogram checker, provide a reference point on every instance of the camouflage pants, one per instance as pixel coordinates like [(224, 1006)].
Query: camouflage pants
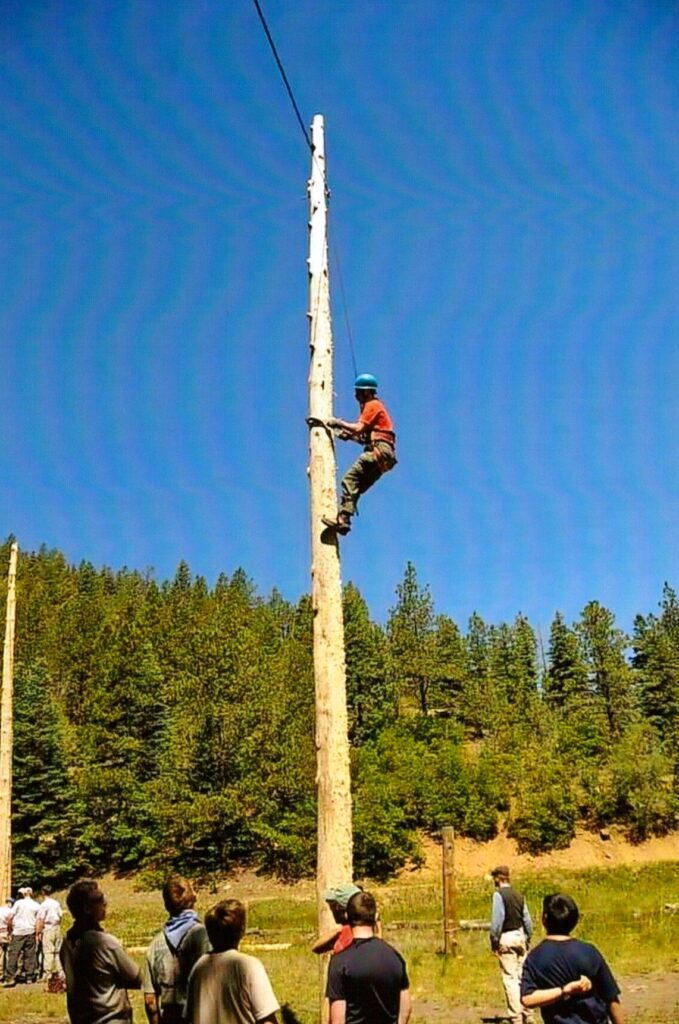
[(366, 470)]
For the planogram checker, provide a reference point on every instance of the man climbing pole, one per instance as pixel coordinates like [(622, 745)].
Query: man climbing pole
[(375, 431)]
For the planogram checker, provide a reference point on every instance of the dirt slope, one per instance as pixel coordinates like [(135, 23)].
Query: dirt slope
[(587, 850)]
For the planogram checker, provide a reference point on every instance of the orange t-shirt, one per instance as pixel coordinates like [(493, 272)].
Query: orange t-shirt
[(377, 422)]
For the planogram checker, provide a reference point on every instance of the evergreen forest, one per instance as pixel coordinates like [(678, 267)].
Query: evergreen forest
[(171, 725)]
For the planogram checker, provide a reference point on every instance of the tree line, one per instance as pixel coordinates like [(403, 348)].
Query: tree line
[(171, 725)]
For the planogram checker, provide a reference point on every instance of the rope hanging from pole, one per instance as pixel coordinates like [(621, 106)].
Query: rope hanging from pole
[(310, 146)]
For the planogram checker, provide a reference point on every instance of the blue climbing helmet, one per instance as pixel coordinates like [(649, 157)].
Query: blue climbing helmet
[(365, 382)]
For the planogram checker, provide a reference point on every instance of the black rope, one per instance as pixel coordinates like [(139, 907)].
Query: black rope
[(309, 143), (344, 307), (283, 74)]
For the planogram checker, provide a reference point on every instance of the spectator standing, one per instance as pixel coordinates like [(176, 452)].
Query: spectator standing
[(5, 914), (367, 981), (49, 920), (23, 925), (227, 986), (511, 929), (97, 968), (568, 979), (339, 937), (173, 951)]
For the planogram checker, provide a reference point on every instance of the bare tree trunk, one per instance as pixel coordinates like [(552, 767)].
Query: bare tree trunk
[(423, 687), (6, 731), (332, 745)]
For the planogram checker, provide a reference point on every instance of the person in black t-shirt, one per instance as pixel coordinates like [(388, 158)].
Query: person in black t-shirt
[(367, 982), (568, 979)]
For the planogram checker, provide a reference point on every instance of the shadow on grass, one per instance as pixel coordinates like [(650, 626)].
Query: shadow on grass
[(288, 1015)]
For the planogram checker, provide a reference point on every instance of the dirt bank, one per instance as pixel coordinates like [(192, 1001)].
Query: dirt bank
[(587, 850)]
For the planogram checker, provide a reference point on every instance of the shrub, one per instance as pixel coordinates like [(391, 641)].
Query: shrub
[(383, 820), (642, 777), (416, 776), (545, 811)]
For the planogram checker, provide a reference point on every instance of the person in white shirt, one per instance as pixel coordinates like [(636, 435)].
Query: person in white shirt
[(23, 924), (49, 917), (5, 914), (227, 986)]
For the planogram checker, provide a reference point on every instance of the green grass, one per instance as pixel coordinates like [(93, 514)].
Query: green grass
[(621, 908)]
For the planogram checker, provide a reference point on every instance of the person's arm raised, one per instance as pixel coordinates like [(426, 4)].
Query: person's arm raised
[(326, 941)]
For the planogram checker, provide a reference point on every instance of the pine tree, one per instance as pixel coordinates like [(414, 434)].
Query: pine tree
[(370, 692), (45, 808), (566, 677), (478, 698), (412, 639), (449, 649), (610, 676), (656, 661)]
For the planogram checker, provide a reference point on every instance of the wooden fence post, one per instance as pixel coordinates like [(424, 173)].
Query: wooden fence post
[(449, 900)]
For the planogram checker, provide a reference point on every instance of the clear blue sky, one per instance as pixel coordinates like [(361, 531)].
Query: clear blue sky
[(504, 202)]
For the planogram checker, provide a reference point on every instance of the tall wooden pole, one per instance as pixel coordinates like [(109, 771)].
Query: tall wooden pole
[(332, 744), (6, 731)]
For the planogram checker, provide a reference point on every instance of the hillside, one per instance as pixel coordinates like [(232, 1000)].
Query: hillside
[(587, 850)]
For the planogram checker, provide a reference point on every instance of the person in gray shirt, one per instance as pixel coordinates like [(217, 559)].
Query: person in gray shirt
[(97, 968), (173, 951)]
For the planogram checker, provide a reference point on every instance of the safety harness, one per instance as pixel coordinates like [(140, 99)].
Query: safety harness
[(383, 450)]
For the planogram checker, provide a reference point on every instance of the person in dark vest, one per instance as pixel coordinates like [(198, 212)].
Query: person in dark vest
[(511, 929)]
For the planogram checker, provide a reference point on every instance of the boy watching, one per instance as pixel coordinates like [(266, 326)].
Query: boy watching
[(367, 981), (339, 937), (227, 986), (568, 979), (173, 951), (97, 968)]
